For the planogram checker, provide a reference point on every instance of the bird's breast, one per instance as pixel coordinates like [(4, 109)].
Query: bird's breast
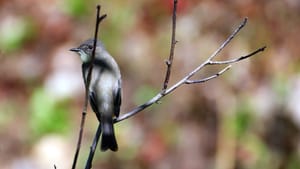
[(103, 83)]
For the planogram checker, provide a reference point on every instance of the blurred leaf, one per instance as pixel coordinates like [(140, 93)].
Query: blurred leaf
[(14, 32), (169, 132), (75, 7), (294, 162), (47, 115), (116, 24), (258, 149), (242, 123), (280, 86), (143, 94), (243, 119), (7, 114)]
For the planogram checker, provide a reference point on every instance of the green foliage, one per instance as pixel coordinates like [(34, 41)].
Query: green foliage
[(116, 25), (243, 119), (7, 109), (280, 86), (15, 32), (75, 7), (143, 94), (240, 123), (47, 114), (294, 162)]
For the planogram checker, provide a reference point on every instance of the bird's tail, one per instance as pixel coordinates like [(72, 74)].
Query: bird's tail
[(108, 136)]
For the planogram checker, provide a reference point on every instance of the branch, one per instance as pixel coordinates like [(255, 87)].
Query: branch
[(237, 59), (173, 43), (234, 33), (89, 161), (185, 80), (208, 78), (98, 21)]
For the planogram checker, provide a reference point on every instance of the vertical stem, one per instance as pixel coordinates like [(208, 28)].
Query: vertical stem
[(84, 111), (93, 148), (173, 43)]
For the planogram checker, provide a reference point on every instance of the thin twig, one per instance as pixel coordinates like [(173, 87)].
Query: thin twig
[(237, 59), (84, 111), (173, 43), (226, 42), (79, 138), (93, 148), (208, 78)]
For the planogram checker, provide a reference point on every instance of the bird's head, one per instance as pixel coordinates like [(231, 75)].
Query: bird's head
[(85, 50)]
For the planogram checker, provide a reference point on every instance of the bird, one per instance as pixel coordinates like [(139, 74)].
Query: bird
[(104, 90)]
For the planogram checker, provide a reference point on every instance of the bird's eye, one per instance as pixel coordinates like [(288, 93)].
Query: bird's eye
[(90, 46)]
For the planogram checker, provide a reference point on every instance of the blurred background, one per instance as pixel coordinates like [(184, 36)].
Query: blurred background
[(248, 118)]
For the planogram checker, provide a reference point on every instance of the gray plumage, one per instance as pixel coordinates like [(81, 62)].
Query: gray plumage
[(104, 90)]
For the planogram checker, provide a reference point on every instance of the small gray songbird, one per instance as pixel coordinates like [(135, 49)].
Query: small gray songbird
[(104, 90)]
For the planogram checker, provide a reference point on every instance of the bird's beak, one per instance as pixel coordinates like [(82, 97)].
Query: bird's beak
[(75, 50)]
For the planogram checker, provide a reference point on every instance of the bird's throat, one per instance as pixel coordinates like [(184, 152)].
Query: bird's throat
[(84, 57)]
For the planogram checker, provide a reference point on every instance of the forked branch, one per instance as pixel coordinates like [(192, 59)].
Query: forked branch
[(185, 80)]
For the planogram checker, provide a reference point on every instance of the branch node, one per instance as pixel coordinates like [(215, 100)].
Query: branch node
[(188, 82), (163, 91), (158, 102), (168, 62), (102, 17)]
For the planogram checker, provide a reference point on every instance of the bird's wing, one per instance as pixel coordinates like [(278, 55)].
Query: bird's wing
[(84, 68), (117, 98), (93, 103)]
